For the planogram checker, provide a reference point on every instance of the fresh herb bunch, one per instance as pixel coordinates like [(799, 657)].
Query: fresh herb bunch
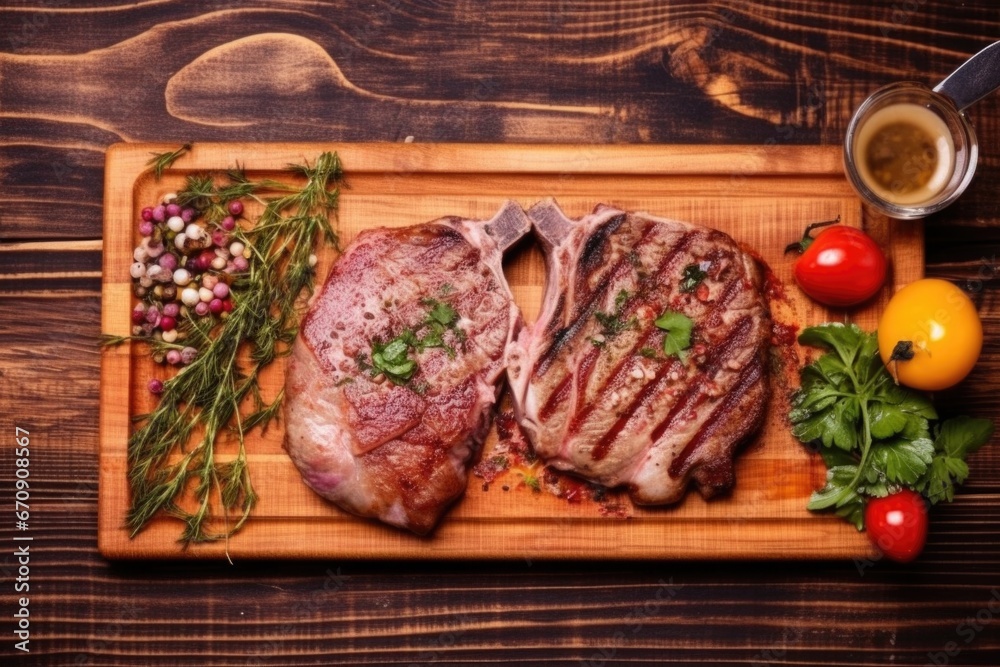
[(875, 436), (204, 398)]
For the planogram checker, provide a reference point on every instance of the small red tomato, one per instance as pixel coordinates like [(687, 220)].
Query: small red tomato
[(842, 266), (897, 524)]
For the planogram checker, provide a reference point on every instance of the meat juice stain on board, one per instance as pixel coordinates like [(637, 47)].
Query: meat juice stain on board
[(784, 353), (511, 464)]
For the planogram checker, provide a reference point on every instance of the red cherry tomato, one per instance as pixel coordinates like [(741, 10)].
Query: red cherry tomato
[(842, 266), (897, 524)]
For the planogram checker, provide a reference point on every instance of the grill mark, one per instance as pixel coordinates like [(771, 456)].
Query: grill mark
[(583, 373), (556, 398), (714, 318), (650, 389), (729, 293), (692, 398), (598, 397), (750, 376), (566, 334), (563, 336), (557, 314), (590, 257), (682, 245)]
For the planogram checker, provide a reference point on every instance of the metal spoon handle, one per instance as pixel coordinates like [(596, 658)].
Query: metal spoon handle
[(976, 78)]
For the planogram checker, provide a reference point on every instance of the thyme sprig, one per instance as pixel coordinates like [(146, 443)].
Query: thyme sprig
[(204, 399), (162, 161)]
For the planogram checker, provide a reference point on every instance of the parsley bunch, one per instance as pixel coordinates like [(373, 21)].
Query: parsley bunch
[(875, 436)]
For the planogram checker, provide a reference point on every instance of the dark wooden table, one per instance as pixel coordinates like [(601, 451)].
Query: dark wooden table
[(76, 77)]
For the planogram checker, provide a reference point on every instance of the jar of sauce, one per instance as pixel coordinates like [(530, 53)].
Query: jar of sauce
[(909, 151)]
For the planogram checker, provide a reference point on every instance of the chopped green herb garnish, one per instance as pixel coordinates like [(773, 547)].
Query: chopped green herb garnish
[(691, 278), (532, 482), (613, 324), (392, 358), (442, 313)]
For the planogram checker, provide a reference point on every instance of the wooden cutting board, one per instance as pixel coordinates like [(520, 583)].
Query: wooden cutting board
[(763, 196)]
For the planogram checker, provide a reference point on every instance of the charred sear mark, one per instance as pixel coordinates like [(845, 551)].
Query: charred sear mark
[(591, 259), (732, 342), (725, 416), (588, 302)]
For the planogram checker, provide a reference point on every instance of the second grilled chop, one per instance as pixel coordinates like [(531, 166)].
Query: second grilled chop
[(592, 386)]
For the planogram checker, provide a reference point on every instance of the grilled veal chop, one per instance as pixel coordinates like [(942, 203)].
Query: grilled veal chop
[(594, 386), (392, 380)]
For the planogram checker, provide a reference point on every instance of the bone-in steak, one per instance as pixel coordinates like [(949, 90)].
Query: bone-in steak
[(593, 387), (393, 376)]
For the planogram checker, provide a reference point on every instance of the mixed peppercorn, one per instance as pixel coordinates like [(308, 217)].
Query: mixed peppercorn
[(184, 269)]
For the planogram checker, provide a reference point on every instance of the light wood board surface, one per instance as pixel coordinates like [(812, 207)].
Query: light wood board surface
[(762, 196)]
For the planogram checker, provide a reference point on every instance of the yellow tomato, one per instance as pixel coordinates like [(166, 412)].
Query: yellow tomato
[(943, 326)]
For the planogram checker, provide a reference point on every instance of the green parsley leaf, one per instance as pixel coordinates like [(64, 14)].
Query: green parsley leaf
[(956, 439), (839, 489), (443, 314), (961, 436), (678, 327), (902, 461), (885, 420)]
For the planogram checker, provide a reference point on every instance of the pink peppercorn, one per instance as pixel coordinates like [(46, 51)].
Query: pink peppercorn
[(147, 214), (219, 237), (240, 264), (138, 314), (171, 309), (228, 223), (155, 386), (168, 261), (201, 308), (236, 207), (172, 210), (215, 305), (173, 357), (221, 290), (167, 323), (187, 214), (205, 258), (146, 227), (227, 305), (160, 213)]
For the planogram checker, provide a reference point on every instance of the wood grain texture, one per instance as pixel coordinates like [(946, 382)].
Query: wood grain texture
[(76, 77)]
